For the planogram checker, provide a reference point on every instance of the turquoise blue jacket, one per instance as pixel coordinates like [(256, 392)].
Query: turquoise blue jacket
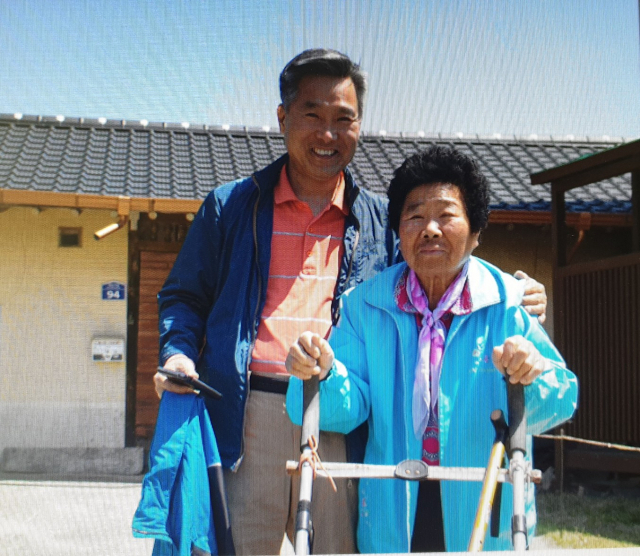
[(175, 506), (376, 347)]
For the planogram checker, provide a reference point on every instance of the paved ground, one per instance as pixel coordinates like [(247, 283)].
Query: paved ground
[(60, 518), (93, 517)]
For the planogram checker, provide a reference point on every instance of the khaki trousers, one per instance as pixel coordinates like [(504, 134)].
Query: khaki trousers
[(263, 499)]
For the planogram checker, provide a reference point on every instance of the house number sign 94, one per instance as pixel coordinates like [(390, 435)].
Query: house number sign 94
[(114, 291)]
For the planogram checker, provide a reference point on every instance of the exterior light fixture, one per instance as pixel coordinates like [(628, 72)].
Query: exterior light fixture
[(107, 230)]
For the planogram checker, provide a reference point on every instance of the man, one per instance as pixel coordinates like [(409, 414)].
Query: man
[(266, 258)]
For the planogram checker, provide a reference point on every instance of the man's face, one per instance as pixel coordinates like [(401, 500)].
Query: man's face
[(321, 128)]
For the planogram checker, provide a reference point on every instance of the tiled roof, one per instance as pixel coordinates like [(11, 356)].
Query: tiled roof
[(175, 161)]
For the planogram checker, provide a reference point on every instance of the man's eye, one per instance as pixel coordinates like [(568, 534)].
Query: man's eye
[(311, 115)]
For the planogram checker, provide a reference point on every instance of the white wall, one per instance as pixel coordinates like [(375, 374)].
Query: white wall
[(51, 391)]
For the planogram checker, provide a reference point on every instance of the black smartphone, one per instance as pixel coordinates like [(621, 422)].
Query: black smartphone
[(185, 380)]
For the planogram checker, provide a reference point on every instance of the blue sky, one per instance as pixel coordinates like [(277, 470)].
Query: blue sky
[(545, 67)]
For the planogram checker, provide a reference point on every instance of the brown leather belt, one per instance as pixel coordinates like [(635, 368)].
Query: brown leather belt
[(265, 384)]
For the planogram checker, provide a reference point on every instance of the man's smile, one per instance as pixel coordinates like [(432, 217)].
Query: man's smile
[(324, 152)]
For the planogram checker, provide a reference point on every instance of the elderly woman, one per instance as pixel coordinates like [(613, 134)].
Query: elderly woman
[(421, 352)]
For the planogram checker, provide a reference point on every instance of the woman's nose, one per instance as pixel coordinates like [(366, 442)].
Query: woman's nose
[(432, 229)]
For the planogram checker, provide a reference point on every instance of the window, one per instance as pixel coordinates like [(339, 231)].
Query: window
[(70, 237)]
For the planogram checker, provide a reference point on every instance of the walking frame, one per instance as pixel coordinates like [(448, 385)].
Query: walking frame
[(509, 438)]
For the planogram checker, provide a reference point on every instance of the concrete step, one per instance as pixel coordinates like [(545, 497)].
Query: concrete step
[(73, 461)]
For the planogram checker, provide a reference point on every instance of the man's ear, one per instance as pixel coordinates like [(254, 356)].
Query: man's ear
[(281, 116)]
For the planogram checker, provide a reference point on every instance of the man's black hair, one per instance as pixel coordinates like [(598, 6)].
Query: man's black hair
[(440, 164), (320, 62)]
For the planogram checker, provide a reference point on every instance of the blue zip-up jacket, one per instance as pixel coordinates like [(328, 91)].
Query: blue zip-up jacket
[(376, 349), (175, 507), (217, 287)]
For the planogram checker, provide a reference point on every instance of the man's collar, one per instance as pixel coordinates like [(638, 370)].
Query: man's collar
[(266, 180), (284, 193)]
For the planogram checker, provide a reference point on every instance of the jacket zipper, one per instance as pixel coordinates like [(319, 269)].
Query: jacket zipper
[(236, 465)]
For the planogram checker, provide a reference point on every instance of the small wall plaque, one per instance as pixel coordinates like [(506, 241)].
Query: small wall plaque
[(107, 349), (114, 291)]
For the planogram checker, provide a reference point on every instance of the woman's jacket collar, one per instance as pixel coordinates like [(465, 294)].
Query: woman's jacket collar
[(484, 287)]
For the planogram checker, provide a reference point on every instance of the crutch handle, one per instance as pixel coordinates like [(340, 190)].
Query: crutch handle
[(311, 410), (499, 425), (517, 418)]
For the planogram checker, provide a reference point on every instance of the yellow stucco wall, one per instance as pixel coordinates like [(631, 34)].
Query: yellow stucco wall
[(51, 390), (521, 247)]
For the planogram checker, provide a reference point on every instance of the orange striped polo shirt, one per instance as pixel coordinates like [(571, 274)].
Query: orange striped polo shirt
[(305, 258)]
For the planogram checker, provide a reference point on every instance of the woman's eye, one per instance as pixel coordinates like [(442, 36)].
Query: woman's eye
[(414, 219)]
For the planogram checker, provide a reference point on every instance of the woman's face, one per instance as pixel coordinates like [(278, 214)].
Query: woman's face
[(435, 234)]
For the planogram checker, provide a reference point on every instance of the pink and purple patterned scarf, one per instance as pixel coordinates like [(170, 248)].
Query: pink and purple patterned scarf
[(430, 345)]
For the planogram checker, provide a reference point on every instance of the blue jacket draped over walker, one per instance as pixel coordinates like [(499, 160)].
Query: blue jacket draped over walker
[(376, 347)]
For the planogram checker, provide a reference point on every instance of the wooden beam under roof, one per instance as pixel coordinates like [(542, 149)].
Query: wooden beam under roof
[(573, 219), (123, 205)]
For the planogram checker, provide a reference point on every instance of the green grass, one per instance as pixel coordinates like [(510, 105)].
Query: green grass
[(572, 521)]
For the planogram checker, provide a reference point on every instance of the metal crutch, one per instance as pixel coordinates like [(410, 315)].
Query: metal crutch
[(517, 464), (517, 471), (308, 442), (490, 483)]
